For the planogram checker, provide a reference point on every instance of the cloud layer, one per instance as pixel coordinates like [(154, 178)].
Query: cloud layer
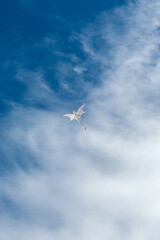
[(66, 183)]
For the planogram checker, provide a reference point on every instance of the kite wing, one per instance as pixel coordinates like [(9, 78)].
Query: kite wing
[(71, 116), (80, 111)]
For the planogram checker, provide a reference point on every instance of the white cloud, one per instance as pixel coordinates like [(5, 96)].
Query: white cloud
[(37, 90), (102, 183)]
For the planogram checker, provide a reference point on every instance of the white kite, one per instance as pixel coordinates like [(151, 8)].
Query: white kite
[(77, 115)]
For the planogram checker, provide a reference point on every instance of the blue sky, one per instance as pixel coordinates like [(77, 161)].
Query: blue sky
[(36, 35), (58, 181)]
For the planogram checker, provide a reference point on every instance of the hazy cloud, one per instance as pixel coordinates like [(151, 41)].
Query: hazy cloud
[(102, 183)]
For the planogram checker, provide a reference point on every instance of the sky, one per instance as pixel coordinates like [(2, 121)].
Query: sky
[(58, 181)]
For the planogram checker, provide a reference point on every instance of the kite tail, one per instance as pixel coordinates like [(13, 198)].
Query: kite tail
[(81, 124)]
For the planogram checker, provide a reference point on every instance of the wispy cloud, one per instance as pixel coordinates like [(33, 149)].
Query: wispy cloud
[(37, 88), (102, 183)]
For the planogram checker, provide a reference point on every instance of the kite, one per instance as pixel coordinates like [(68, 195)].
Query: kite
[(77, 116)]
